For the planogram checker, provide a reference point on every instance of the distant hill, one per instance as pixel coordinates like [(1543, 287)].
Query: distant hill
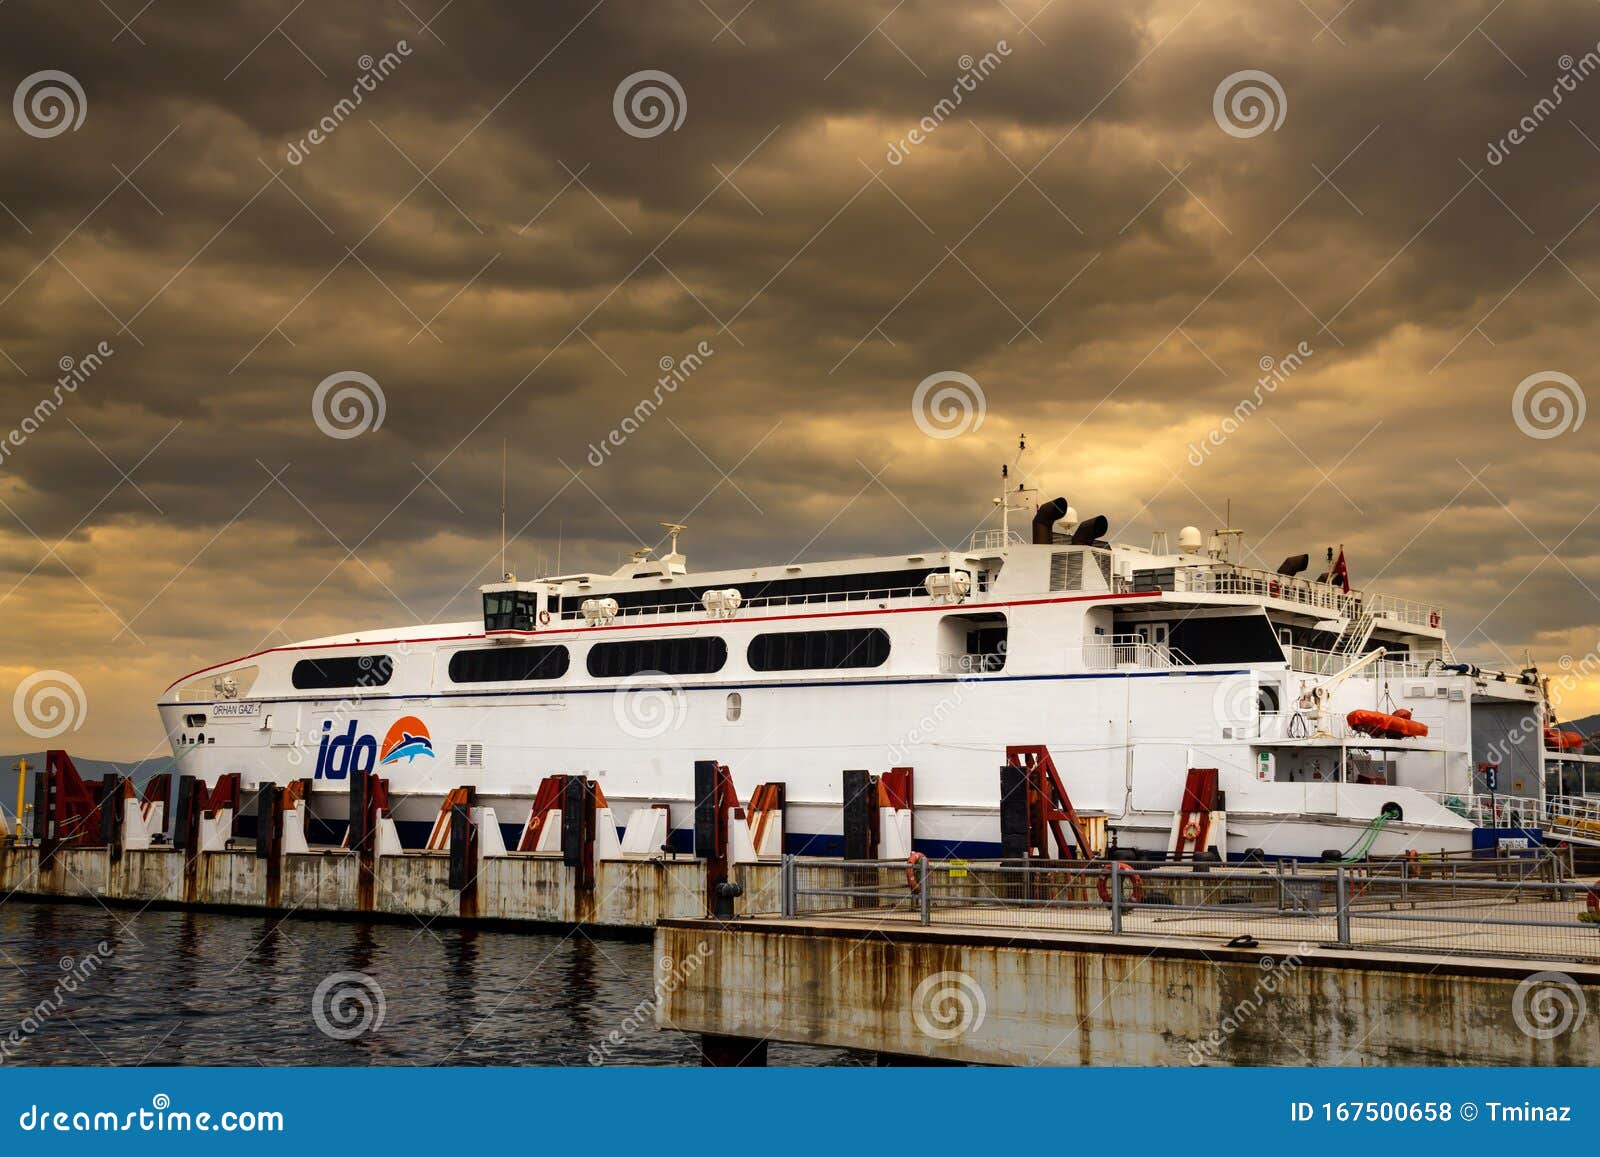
[(140, 771), (1588, 726)]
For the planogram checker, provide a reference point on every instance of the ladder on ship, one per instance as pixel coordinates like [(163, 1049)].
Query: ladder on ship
[(1356, 635)]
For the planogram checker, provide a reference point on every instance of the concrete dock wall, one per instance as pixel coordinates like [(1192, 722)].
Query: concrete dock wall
[(528, 889), (981, 998)]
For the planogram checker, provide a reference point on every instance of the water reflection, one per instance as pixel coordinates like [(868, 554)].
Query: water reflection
[(178, 988)]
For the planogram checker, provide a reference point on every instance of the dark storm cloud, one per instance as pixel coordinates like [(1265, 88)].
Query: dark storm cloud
[(482, 238)]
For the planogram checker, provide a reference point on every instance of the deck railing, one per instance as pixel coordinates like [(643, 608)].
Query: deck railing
[(1572, 816), (1109, 652), (1228, 579), (1512, 905)]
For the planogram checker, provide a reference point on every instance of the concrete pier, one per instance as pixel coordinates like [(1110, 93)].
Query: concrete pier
[(528, 889), (1051, 997)]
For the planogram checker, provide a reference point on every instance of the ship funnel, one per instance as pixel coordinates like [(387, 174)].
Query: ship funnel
[(1045, 518), (1090, 531)]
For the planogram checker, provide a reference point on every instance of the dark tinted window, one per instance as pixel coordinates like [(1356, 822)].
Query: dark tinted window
[(696, 656), (816, 589), (344, 671), (508, 664), (819, 650), (509, 610)]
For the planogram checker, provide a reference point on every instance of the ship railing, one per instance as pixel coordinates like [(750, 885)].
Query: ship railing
[(995, 540), (1565, 815), (1110, 652), (1404, 611), (1228, 579), (765, 602), (1471, 905), (1316, 661), (1222, 578)]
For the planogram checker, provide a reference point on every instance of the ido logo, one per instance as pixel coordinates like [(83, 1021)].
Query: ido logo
[(341, 754)]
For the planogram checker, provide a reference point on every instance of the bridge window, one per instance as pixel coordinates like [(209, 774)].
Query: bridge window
[(510, 610), (342, 671), (508, 664), (819, 650), (700, 655)]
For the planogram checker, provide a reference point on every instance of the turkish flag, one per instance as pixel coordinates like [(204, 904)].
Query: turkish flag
[(1340, 576)]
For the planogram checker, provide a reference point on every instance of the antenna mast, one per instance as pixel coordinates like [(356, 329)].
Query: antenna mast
[(508, 575), (1006, 494)]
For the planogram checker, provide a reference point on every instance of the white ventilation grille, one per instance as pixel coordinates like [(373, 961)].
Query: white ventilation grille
[(1066, 570), (469, 755)]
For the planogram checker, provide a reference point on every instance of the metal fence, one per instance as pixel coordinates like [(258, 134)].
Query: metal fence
[(1514, 907)]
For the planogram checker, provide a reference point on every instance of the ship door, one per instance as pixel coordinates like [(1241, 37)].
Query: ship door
[(1156, 637)]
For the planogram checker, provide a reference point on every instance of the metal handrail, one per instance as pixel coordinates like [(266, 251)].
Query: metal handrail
[(1229, 579), (1433, 890), (995, 539)]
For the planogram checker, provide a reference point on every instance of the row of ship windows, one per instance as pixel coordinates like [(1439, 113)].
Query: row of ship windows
[(701, 655)]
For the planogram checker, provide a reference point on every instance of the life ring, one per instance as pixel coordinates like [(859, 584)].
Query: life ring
[(1191, 830), (913, 879), (1103, 884), (1433, 619), (1274, 588), (544, 618)]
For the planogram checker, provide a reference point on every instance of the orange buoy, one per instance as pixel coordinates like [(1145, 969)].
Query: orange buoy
[(1135, 886), (1386, 725), (913, 862)]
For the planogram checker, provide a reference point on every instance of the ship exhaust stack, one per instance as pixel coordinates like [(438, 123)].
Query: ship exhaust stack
[(1045, 518)]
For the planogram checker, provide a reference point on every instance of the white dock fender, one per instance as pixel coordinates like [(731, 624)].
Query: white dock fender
[(294, 831), (491, 844), (388, 841), (606, 844)]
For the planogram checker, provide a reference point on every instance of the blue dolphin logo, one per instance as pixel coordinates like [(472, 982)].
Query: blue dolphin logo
[(410, 746)]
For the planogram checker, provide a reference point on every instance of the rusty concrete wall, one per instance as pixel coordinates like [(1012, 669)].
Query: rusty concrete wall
[(626, 894), (984, 1000)]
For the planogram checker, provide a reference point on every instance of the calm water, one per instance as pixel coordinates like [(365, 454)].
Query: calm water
[(175, 988)]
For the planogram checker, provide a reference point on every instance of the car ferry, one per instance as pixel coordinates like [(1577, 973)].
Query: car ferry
[(1133, 664)]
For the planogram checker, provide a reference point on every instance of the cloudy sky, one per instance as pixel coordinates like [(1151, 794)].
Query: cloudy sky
[(485, 227)]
